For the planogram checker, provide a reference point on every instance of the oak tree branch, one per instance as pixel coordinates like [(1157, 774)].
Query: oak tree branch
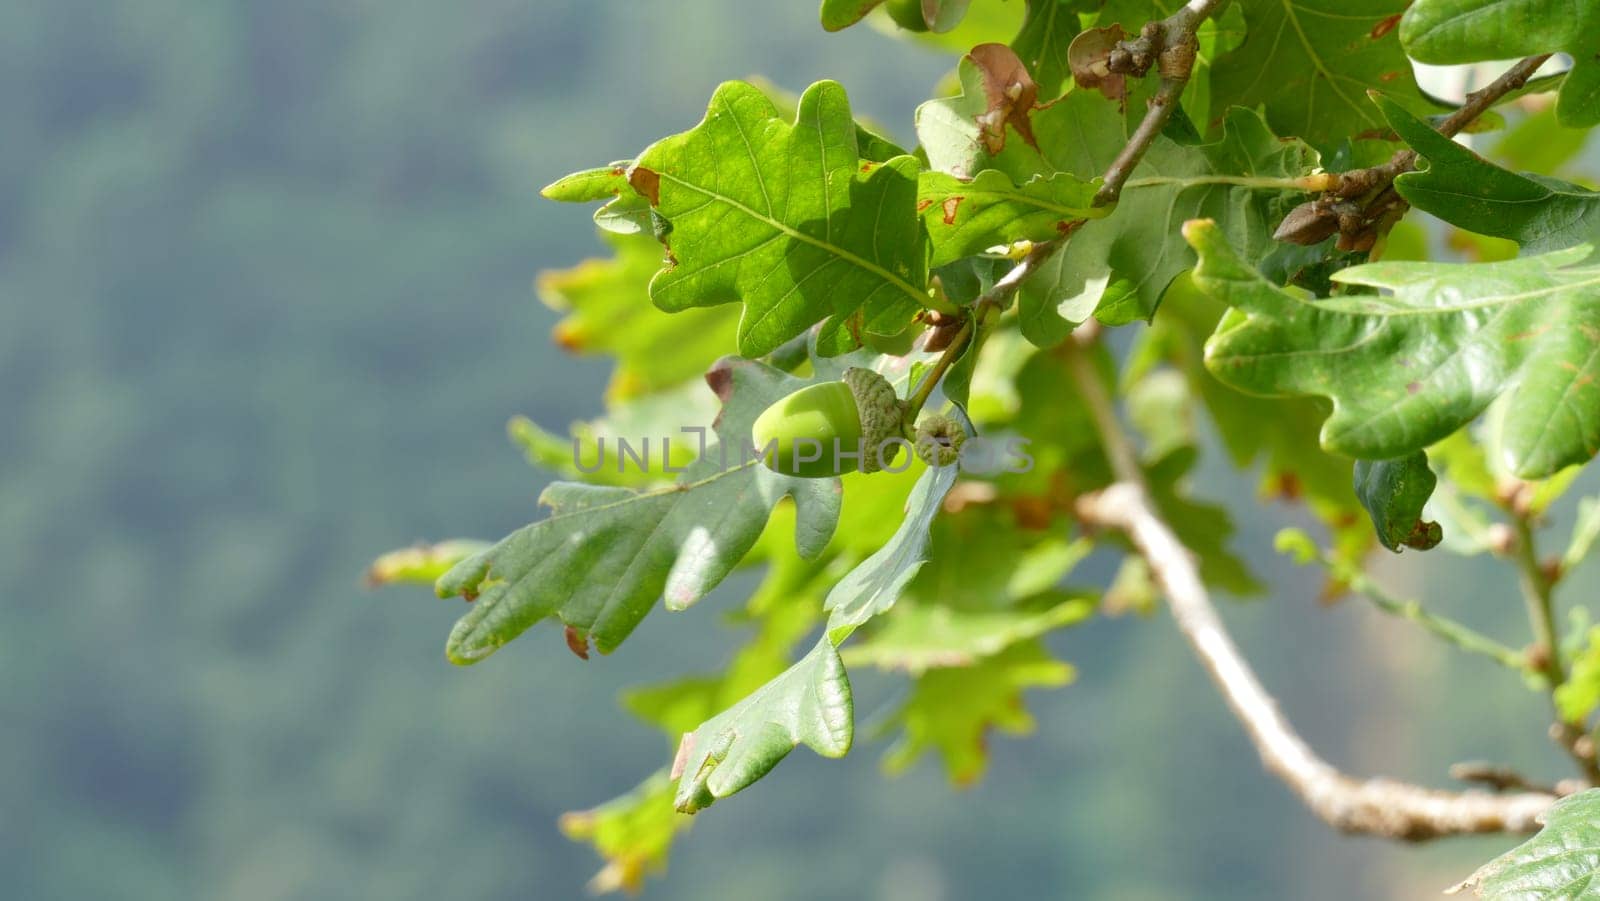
[(1379, 807)]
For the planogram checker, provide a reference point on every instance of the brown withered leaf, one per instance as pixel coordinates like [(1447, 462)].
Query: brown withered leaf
[(1089, 56), (1009, 94)]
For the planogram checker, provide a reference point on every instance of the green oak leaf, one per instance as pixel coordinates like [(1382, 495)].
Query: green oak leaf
[(965, 217), (809, 703), (943, 15), (1310, 63), (952, 710), (1394, 493), (641, 441), (977, 553), (1118, 268), (632, 832), (993, 111), (421, 564), (840, 14), (873, 146), (787, 219), (605, 554), (1048, 27), (1407, 368), (872, 587), (1561, 863), (1446, 32), (625, 212), (1280, 433), (784, 609), (986, 23), (608, 309), (792, 597), (921, 637), (1538, 212)]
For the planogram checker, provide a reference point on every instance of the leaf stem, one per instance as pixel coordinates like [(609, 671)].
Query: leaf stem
[(1455, 633), (993, 301), (1322, 181), (924, 390), (1537, 594)]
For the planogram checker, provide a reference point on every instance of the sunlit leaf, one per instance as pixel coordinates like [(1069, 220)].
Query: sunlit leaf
[(1579, 696), (786, 219), (874, 585), (609, 312), (1585, 532), (809, 704), (924, 636), (966, 217), (605, 554), (837, 14), (1119, 267), (421, 564), (633, 832), (1540, 143)]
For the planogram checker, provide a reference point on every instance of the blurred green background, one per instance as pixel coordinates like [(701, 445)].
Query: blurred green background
[(265, 307)]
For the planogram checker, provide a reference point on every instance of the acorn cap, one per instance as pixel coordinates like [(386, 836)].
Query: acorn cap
[(939, 440), (881, 414)]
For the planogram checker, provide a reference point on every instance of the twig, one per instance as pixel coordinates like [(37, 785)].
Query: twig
[(1479, 101), (1539, 595), (1369, 806), (1498, 778), (995, 300), (1536, 592), (1175, 55), (1176, 47), (1364, 205), (1458, 634)]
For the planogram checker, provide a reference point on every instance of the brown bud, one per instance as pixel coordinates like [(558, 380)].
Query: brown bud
[(1309, 223), (1552, 570)]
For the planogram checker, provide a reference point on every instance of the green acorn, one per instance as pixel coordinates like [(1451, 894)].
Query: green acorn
[(858, 413)]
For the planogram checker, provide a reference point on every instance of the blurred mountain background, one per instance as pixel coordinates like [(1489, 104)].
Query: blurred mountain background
[(265, 308)]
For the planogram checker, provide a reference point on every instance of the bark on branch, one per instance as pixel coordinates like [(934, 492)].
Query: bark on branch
[(1379, 807)]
